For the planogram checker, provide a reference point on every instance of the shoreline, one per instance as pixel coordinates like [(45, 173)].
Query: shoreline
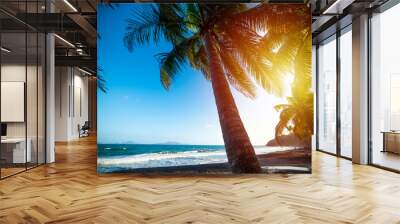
[(287, 161)]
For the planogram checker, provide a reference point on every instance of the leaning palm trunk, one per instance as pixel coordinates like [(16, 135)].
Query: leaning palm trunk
[(240, 152)]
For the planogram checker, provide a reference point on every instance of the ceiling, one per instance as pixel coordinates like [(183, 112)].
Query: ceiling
[(75, 23)]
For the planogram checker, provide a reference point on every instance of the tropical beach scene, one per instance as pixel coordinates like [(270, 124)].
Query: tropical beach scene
[(204, 88)]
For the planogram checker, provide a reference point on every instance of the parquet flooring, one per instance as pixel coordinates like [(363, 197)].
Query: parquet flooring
[(70, 191)]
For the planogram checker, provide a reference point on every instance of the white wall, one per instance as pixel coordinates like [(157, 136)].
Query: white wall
[(16, 73), (71, 102), (61, 103), (33, 127), (80, 110)]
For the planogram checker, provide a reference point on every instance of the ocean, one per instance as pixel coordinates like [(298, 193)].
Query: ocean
[(119, 157)]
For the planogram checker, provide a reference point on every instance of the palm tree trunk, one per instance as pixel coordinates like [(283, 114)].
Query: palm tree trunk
[(240, 152)]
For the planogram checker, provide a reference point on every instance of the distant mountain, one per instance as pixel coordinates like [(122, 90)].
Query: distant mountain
[(118, 143), (169, 143), (138, 143)]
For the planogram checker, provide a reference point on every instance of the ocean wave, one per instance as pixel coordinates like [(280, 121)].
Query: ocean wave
[(166, 159), (163, 159)]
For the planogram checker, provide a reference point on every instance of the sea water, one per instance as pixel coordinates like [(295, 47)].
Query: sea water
[(112, 157)]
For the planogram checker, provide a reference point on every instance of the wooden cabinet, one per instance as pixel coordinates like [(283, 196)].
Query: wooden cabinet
[(391, 142)]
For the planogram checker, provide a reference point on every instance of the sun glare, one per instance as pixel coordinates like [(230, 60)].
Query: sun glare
[(288, 80)]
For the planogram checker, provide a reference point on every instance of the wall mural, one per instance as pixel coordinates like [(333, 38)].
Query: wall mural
[(204, 88)]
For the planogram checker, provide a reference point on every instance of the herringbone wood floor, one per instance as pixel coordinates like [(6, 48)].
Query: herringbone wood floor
[(70, 191)]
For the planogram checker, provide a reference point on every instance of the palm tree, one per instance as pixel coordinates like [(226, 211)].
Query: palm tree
[(296, 116), (221, 41)]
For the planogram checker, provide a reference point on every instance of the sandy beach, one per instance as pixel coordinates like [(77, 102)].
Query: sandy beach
[(288, 161)]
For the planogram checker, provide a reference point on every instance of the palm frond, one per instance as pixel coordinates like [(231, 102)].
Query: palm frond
[(297, 114), (101, 82), (193, 17), (263, 16), (302, 66), (247, 54), (173, 23), (198, 59), (246, 44), (144, 26), (236, 74), (172, 62), (284, 58), (111, 5), (269, 40), (150, 23), (280, 107)]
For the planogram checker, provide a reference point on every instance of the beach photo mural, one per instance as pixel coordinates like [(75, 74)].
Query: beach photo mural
[(204, 88)]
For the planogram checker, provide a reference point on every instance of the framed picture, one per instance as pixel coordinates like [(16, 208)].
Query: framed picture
[(204, 88)]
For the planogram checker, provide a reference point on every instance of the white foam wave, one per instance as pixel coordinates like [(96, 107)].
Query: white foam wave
[(197, 157)]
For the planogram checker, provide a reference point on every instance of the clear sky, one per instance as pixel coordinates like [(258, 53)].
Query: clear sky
[(137, 109)]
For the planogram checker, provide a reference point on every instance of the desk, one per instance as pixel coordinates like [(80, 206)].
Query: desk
[(19, 155), (391, 141)]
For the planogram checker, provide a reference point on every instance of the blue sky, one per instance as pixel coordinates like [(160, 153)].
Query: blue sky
[(137, 109)]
